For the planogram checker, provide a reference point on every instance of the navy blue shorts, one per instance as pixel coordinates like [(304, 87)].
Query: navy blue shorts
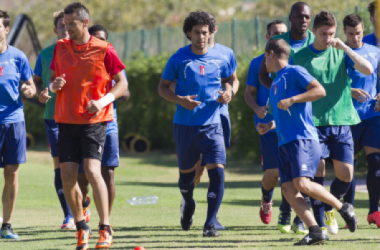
[(226, 125), (336, 143), (110, 156), (192, 141), (299, 158), (12, 143), (52, 136), (269, 150), (366, 133)]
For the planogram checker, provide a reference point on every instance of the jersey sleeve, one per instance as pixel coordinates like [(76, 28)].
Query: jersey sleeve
[(112, 62), (52, 65), (253, 75), (26, 70), (303, 78), (349, 64), (233, 63), (38, 67), (227, 70), (170, 71)]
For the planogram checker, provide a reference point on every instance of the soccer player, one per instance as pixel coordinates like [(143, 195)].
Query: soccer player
[(372, 38), (291, 95), (200, 73), (334, 114), (366, 99), (14, 67), (42, 80), (82, 69), (110, 158)]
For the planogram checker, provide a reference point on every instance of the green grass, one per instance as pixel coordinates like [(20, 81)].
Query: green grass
[(38, 215)]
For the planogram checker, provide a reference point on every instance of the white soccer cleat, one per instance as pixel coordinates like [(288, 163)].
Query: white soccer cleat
[(330, 222)]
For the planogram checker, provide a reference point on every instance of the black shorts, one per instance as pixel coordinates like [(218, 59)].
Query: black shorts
[(77, 141)]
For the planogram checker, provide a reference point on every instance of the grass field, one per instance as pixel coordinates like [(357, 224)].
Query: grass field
[(38, 216)]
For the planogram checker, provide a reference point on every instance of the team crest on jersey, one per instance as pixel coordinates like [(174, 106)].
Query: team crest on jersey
[(1, 71), (202, 70)]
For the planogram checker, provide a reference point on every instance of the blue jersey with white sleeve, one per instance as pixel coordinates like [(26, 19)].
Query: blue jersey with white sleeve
[(296, 122), (197, 75), (14, 66), (370, 39)]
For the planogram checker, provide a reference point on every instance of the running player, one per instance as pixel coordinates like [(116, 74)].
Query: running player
[(199, 73), (372, 38), (224, 115), (14, 67), (110, 158), (291, 95), (334, 114), (42, 80), (366, 99), (82, 67)]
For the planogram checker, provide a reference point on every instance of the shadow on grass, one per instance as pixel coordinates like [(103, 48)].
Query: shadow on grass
[(227, 184)]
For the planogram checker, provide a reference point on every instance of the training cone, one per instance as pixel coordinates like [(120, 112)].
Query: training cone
[(140, 248)]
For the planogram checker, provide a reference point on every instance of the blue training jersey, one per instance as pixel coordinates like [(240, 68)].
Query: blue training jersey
[(262, 93), (229, 56), (296, 44), (364, 82), (14, 66), (296, 123), (370, 39), (197, 75)]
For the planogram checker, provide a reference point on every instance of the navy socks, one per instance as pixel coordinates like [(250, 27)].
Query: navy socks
[(215, 194), (61, 195), (373, 181), (186, 186), (267, 194), (284, 207), (349, 197), (318, 206), (338, 188)]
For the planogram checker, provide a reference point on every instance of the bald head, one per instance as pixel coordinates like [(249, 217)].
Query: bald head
[(300, 17)]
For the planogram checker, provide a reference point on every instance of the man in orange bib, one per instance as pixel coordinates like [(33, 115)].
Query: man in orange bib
[(82, 68)]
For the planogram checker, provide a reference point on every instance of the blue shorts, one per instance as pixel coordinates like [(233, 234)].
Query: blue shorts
[(366, 133), (192, 141), (52, 136), (226, 125), (269, 150), (336, 143), (299, 158), (12, 143), (110, 156)]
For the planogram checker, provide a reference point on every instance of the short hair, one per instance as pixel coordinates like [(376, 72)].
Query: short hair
[(324, 18), (352, 20), (280, 48), (79, 9), (296, 5), (57, 15), (269, 25), (97, 27), (212, 17), (6, 19), (372, 8), (198, 18)]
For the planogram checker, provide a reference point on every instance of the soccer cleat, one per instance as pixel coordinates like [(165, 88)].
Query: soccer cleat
[(83, 236), (265, 211), (68, 223), (187, 219), (324, 231), (284, 222), (182, 207), (330, 222), (348, 214), (298, 227), (87, 211), (8, 234), (374, 218), (210, 231), (218, 226), (312, 239), (105, 241)]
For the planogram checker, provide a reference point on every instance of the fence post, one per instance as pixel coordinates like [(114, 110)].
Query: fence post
[(258, 32), (357, 10), (233, 31), (159, 38), (125, 51), (143, 38)]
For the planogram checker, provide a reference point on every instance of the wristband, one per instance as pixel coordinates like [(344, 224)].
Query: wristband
[(107, 99), (51, 88)]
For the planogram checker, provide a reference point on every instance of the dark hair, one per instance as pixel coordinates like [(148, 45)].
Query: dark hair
[(198, 18), (212, 17), (97, 27), (78, 8), (6, 19), (352, 20), (280, 48), (371, 8), (269, 25), (57, 15), (297, 5), (324, 18)]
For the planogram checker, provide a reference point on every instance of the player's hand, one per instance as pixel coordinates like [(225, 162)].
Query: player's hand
[(337, 43), (27, 91), (360, 95), (58, 83), (44, 96), (188, 102), (262, 128), (261, 111), (377, 105), (285, 103), (225, 97), (94, 107)]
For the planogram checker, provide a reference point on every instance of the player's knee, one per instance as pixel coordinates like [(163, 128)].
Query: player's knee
[(302, 184), (11, 173)]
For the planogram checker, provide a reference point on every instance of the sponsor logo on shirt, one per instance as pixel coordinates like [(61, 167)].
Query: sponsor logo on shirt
[(304, 167), (211, 195), (202, 70), (1, 71), (373, 55)]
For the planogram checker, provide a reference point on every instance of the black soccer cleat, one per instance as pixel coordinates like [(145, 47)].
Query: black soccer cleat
[(187, 219), (312, 239), (210, 231), (348, 214)]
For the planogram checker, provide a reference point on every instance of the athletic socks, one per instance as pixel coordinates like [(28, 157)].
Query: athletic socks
[(267, 194), (349, 197), (306, 198), (338, 188), (103, 227), (6, 226), (373, 181), (215, 194), (61, 196), (315, 230), (318, 206), (186, 186), (285, 207), (81, 225), (86, 203)]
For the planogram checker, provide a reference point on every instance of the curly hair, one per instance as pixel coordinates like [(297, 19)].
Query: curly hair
[(324, 18), (97, 27), (198, 18)]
